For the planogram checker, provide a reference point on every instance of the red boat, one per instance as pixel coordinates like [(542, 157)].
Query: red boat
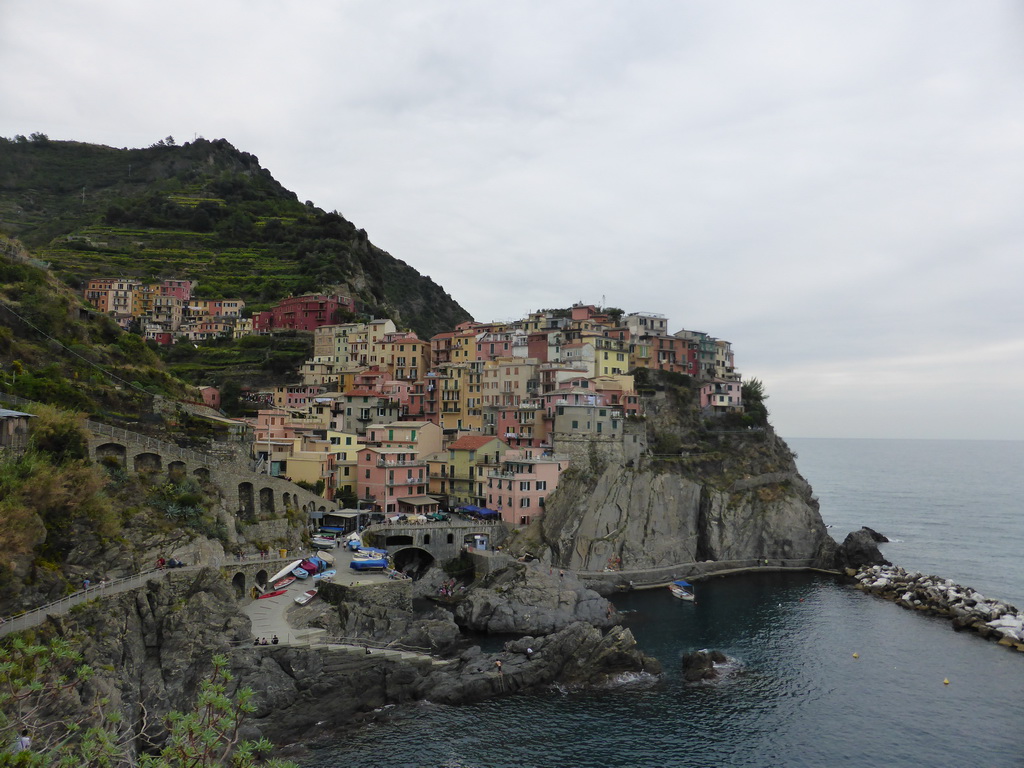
[(272, 594), (284, 582)]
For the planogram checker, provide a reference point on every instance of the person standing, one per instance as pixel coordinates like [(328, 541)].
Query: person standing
[(22, 743)]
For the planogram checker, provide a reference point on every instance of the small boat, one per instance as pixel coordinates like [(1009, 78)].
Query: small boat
[(306, 596), (284, 571), (682, 589), (326, 575), (275, 593), (300, 573), (368, 565), (282, 583)]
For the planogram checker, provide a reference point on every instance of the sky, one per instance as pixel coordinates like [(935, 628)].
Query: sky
[(835, 188)]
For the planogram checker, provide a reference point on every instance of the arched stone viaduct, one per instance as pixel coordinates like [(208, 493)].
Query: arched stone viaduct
[(254, 496), (442, 541)]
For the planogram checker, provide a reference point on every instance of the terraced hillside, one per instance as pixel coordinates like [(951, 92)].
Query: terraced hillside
[(203, 211)]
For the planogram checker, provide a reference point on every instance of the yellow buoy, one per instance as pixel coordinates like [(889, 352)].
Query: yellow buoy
[(945, 681), (856, 655)]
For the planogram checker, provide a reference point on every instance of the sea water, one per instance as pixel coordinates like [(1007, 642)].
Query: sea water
[(796, 695)]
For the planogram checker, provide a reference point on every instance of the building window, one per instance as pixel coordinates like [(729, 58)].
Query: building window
[(542, 485), (524, 502)]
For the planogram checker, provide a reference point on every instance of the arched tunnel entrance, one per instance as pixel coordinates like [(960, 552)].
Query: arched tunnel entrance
[(413, 561), (239, 584)]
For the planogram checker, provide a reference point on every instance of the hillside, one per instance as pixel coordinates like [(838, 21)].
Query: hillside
[(203, 211)]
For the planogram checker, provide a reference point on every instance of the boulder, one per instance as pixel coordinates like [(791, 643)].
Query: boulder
[(857, 549), (530, 599), (700, 665)]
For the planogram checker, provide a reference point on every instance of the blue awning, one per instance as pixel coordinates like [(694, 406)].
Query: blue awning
[(331, 529)]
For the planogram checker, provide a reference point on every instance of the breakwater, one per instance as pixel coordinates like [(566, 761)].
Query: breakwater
[(968, 609)]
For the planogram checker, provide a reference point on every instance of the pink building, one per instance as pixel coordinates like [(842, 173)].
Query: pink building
[(303, 313), (179, 289), (211, 396), (721, 396), (395, 480), (518, 489)]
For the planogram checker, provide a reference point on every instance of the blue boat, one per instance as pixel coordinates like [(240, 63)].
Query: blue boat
[(368, 565), (682, 589), (300, 573)]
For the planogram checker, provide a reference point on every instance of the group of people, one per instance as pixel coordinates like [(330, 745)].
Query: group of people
[(263, 641), (447, 589), (161, 563)]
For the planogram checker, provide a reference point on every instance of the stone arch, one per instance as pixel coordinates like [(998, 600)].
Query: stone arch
[(176, 468), (451, 538), (245, 500), (266, 501), (398, 540), (261, 578), (426, 539), (110, 452), (148, 462), (413, 561), (202, 473), (238, 582), (287, 500)]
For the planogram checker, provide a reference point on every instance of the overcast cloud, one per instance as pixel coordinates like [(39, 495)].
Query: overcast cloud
[(835, 188)]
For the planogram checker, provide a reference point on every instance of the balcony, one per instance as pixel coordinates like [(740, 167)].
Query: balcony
[(410, 463)]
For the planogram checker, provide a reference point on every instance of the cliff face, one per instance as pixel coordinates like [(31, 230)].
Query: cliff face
[(721, 495)]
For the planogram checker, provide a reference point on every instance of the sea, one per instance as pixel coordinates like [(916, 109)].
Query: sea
[(819, 673)]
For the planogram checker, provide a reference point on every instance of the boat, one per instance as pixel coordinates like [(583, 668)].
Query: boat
[(682, 589), (306, 596), (275, 593), (284, 571), (368, 565), (300, 573), (326, 575), (282, 583), (327, 557)]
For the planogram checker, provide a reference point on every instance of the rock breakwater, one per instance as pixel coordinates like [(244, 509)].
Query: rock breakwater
[(992, 619)]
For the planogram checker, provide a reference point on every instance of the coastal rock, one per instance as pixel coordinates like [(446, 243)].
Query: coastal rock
[(967, 609), (527, 598), (858, 548), (877, 537), (700, 665)]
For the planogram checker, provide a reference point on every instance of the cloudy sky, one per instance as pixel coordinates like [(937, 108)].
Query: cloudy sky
[(836, 188)]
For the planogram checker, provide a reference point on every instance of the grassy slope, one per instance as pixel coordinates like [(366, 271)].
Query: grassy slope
[(204, 211)]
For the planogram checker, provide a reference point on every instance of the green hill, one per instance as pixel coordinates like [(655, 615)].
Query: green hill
[(203, 211)]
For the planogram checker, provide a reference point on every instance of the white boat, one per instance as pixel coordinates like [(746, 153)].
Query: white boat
[(284, 571), (306, 596), (683, 590)]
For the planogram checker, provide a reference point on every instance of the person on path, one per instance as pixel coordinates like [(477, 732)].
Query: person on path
[(497, 665), (21, 743)]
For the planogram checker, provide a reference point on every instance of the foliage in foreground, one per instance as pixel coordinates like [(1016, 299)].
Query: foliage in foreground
[(40, 690)]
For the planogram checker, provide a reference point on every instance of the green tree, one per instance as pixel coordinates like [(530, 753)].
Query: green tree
[(41, 690)]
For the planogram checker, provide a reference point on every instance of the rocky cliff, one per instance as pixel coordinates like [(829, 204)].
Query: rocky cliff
[(721, 495), (152, 648)]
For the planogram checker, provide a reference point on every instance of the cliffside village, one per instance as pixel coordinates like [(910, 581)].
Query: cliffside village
[(485, 417)]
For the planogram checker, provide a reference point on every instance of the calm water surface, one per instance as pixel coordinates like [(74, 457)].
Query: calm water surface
[(798, 696)]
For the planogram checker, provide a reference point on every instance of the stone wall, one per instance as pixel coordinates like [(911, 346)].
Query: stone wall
[(392, 594)]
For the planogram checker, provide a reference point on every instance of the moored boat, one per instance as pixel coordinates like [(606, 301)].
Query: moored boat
[(282, 583), (369, 565), (275, 593), (306, 596), (682, 589), (326, 575)]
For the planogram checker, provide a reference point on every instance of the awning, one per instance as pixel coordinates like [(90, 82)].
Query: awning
[(331, 529), (418, 501)]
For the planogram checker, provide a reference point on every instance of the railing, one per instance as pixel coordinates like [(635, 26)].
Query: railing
[(36, 616)]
